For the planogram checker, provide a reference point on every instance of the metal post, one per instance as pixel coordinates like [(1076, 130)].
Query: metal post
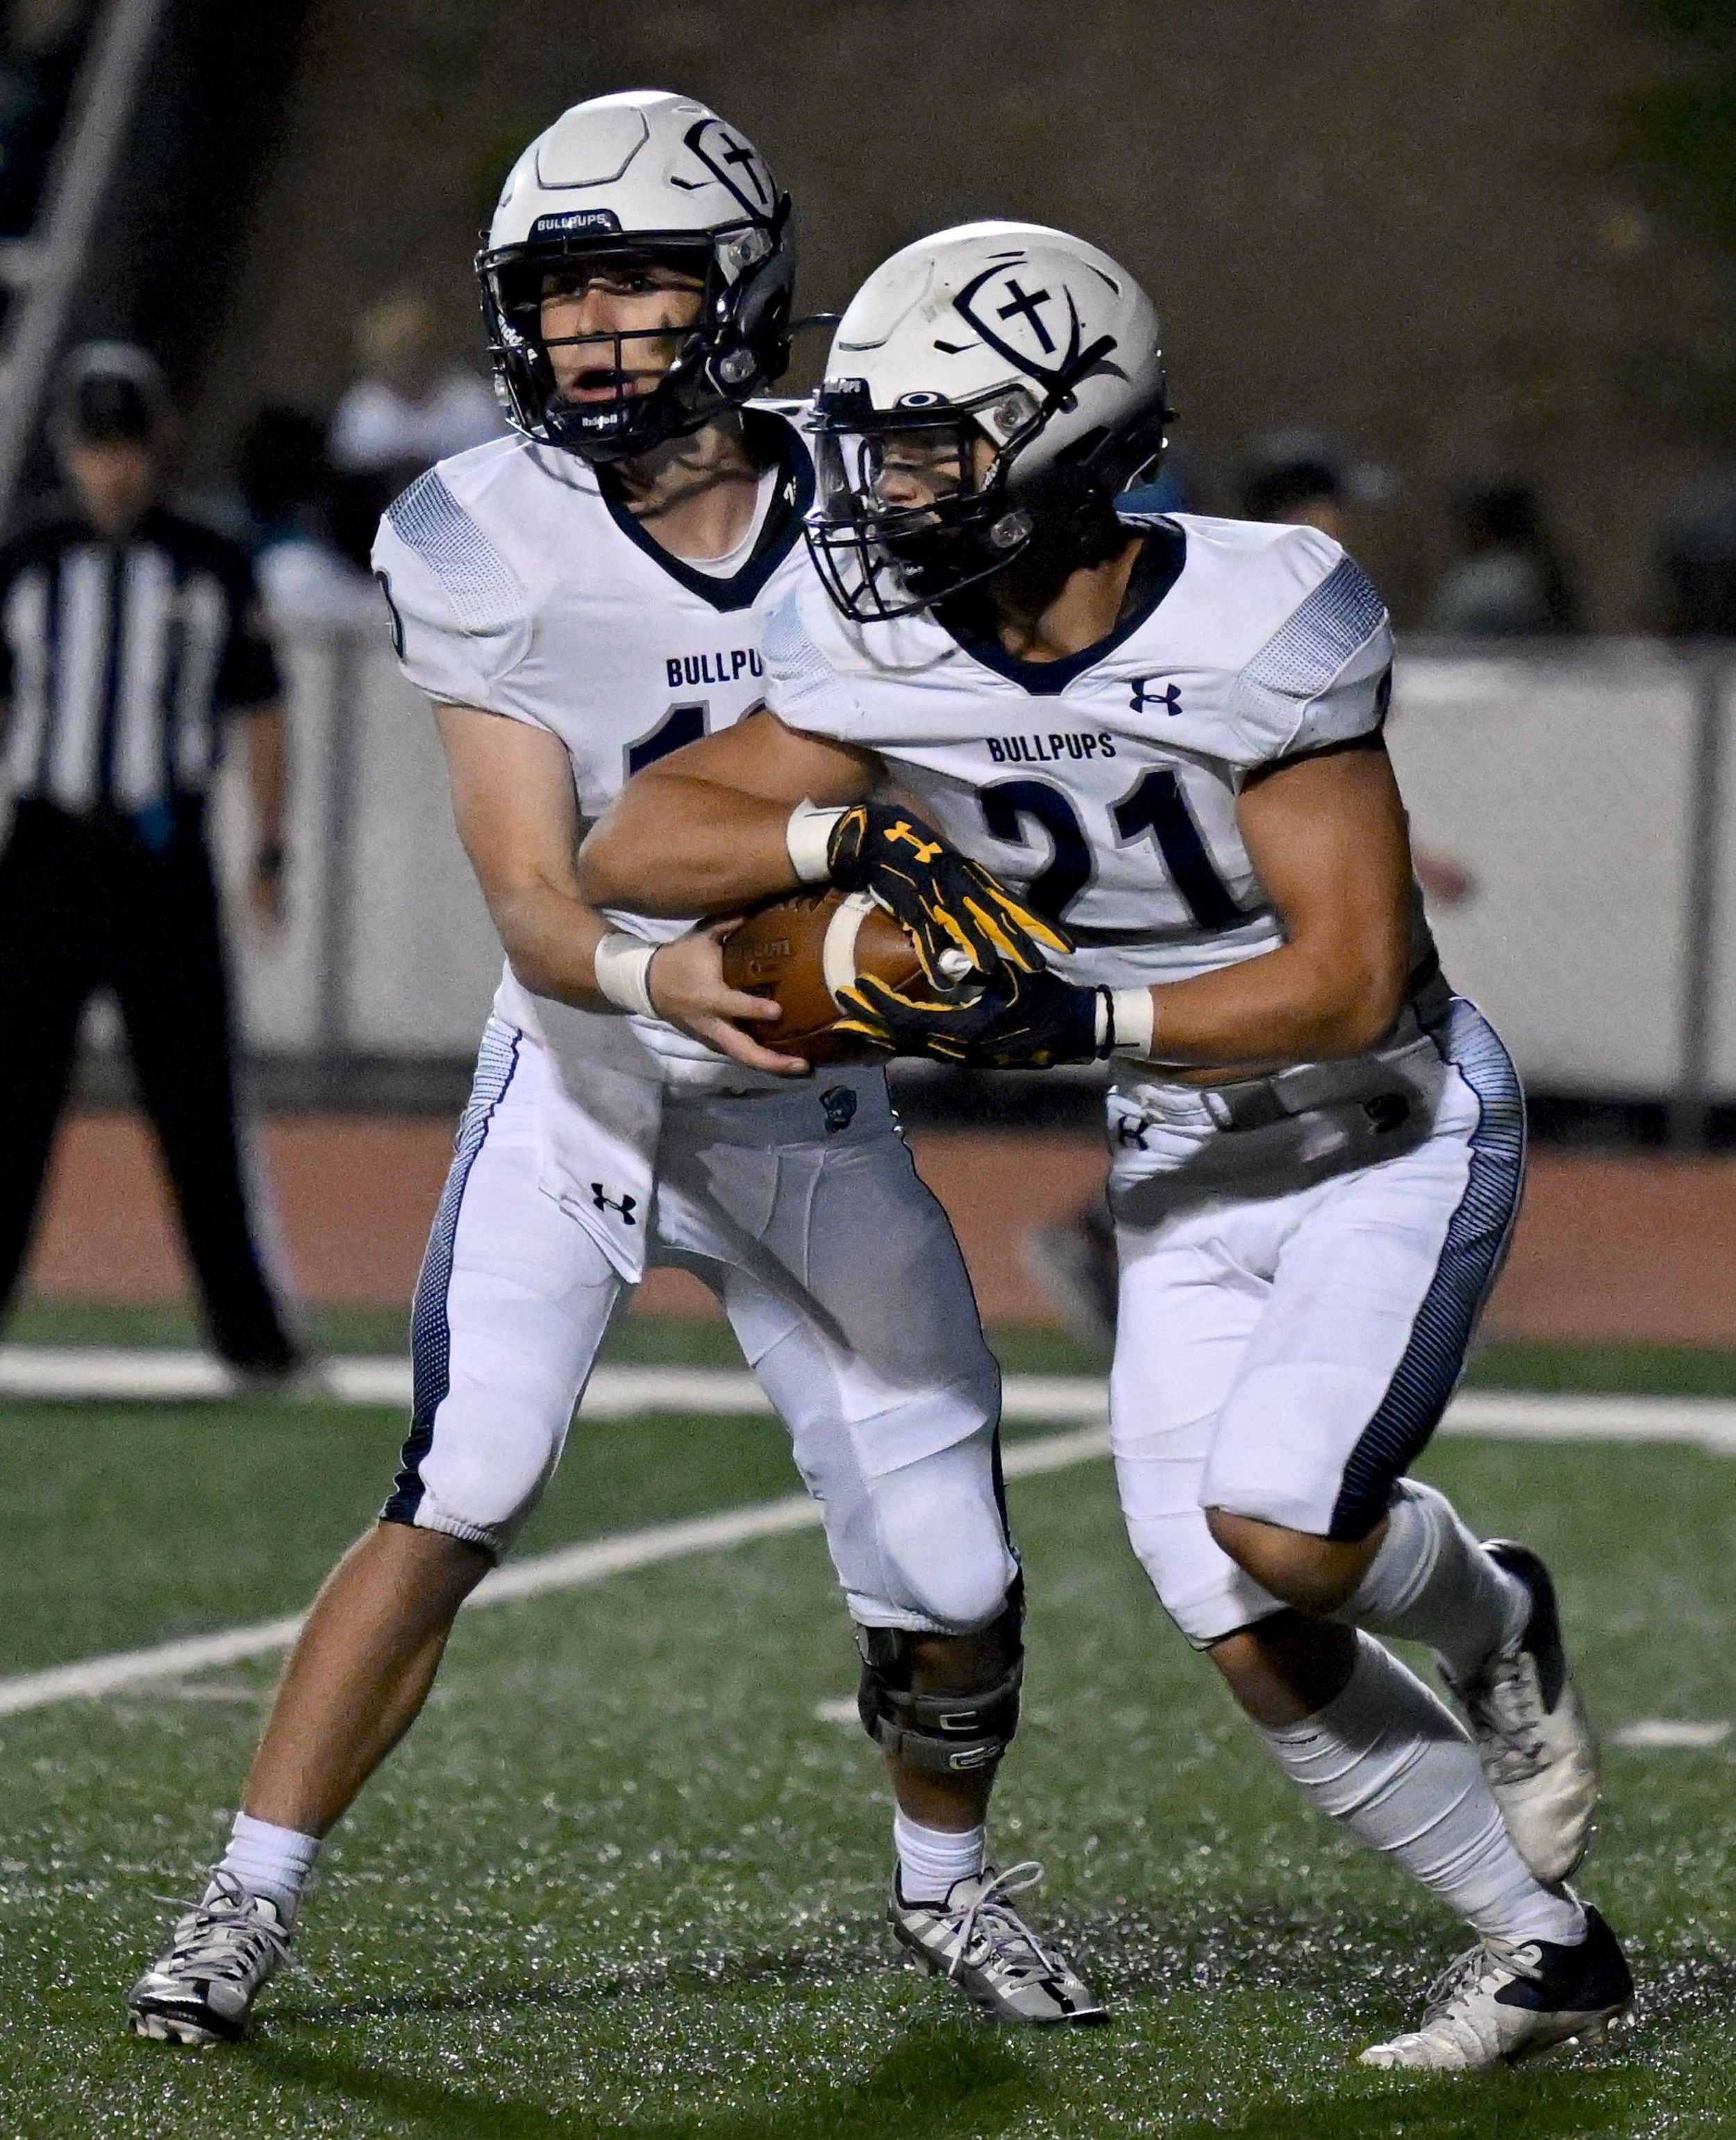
[(90, 145), (1690, 1108)]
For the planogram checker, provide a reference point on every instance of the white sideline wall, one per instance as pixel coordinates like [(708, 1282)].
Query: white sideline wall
[(1563, 781)]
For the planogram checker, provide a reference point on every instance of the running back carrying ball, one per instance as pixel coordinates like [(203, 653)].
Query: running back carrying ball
[(801, 951)]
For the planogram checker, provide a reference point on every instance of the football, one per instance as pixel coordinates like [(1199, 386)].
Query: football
[(801, 950)]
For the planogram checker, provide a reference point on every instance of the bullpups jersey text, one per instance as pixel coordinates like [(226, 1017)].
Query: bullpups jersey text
[(1103, 787)]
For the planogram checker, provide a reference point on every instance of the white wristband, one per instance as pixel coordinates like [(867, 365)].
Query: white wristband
[(623, 966), (1132, 1020), (807, 836)]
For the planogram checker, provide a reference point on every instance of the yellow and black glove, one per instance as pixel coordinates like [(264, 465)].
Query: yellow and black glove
[(1018, 1018), (948, 902)]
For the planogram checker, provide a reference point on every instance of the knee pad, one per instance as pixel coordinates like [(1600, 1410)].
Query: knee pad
[(940, 1539), (952, 1734)]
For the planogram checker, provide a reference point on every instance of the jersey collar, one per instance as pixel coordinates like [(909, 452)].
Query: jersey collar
[(778, 538), (1156, 569)]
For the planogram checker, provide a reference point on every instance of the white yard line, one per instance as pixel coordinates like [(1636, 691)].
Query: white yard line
[(571, 1567), (616, 1392), (97, 1373)]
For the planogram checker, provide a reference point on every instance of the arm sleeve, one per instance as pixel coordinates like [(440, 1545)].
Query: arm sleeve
[(802, 687), (460, 617), (247, 675), (1322, 679)]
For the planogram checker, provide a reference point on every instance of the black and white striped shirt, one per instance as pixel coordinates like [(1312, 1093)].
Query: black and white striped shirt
[(120, 659)]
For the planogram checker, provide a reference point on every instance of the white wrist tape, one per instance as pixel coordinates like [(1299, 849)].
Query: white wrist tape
[(1133, 1019), (807, 836), (623, 966)]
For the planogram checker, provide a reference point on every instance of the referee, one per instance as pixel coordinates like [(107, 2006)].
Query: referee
[(128, 640)]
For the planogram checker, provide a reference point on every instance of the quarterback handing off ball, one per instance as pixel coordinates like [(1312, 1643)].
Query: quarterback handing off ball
[(801, 951)]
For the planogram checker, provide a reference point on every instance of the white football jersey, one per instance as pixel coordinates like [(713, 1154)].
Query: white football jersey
[(1103, 787), (517, 584)]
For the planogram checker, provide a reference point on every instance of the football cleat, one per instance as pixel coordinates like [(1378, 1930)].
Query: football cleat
[(1501, 2005), (220, 1956), (1531, 1730), (978, 1941)]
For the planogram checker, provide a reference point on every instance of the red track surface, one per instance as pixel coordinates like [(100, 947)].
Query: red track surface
[(1608, 1248)]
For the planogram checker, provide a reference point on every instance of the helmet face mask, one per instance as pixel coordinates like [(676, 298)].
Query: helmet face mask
[(642, 180), (1020, 359), (911, 506)]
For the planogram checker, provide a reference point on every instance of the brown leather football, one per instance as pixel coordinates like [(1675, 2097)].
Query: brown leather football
[(799, 950)]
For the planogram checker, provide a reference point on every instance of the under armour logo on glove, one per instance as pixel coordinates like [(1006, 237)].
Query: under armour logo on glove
[(608, 1203), (926, 850)]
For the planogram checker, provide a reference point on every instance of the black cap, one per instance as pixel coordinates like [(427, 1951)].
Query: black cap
[(109, 393)]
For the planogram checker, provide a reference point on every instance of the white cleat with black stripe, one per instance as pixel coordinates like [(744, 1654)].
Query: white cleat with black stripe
[(1500, 2005), (221, 1953), (978, 1941), (1531, 1730)]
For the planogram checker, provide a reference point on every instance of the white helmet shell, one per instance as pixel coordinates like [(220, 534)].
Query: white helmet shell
[(1028, 335), (644, 162), (644, 170), (1003, 319)]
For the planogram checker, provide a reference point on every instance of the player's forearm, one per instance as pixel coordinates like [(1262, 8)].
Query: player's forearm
[(1290, 1005), (551, 940), (675, 846)]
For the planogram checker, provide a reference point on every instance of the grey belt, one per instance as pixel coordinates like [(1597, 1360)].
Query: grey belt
[(1370, 1081)]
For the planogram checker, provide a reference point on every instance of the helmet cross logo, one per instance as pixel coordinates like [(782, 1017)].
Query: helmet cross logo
[(1072, 364), (732, 162), (1019, 305)]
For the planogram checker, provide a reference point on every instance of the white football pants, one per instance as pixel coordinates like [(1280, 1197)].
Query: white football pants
[(1295, 1305), (837, 1268)]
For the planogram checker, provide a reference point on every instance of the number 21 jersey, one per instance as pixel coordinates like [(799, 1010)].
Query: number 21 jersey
[(1103, 787)]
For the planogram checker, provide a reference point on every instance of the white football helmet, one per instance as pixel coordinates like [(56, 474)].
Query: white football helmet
[(1024, 360), (648, 173)]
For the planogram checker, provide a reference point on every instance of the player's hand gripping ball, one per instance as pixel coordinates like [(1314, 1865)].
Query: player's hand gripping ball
[(803, 951), (1003, 1020), (959, 917)]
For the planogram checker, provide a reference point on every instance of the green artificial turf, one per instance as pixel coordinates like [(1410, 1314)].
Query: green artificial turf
[(624, 1880)]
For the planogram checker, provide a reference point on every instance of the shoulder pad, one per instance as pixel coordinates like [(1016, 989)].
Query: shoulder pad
[(482, 586), (1321, 634)]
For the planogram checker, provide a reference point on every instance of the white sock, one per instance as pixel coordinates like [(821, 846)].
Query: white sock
[(269, 1860), (1433, 1581), (931, 1859), (1392, 1762)]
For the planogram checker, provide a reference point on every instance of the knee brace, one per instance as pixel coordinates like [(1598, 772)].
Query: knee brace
[(953, 1734)]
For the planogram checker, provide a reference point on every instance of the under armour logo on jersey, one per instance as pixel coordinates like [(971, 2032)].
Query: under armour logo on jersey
[(926, 850), (625, 1206), (1166, 701)]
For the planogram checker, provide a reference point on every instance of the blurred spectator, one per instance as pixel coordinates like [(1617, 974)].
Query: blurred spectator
[(1699, 559), (40, 47), (1508, 581), (1296, 479), (410, 407), (286, 484)]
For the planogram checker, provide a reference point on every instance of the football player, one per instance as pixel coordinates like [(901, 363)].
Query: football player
[(1163, 734), (578, 600)]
